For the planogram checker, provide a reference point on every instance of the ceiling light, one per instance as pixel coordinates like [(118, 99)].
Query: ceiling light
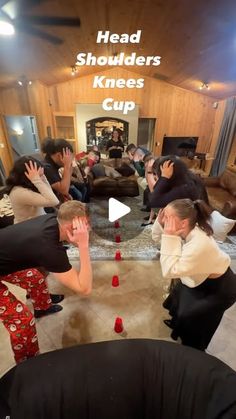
[(204, 86), (74, 70), (30, 82), (6, 28), (20, 82)]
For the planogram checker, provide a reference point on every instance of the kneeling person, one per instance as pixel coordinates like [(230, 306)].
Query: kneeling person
[(33, 243), (207, 286)]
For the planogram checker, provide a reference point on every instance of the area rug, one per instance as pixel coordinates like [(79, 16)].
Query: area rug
[(229, 246), (136, 241)]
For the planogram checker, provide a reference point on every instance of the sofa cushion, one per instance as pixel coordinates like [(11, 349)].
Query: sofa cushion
[(228, 181), (125, 170), (115, 162), (121, 186), (98, 170), (127, 186), (111, 172), (218, 197), (221, 225)]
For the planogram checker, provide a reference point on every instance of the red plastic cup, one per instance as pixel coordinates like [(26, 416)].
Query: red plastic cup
[(115, 281), (118, 255), (118, 327), (117, 238), (117, 224)]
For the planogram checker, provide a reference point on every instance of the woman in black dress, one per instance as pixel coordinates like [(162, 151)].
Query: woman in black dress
[(115, 146)]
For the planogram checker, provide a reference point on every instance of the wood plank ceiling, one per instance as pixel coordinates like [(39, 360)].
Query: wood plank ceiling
[(196, 40)]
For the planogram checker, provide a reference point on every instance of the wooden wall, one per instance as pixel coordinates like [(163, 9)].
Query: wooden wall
[(30, 100), (178, 112), (5, 152)]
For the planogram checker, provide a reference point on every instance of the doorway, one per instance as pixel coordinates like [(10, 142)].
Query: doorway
[(99, 131), (146, 129), (23, 135)]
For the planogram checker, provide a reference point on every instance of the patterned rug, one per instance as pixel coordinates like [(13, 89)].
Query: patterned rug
[(136, 242)]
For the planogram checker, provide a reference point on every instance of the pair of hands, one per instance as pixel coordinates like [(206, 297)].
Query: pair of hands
[(80, 232), (149, 164), (33, 172), (67, 158), (169, 224), (167, 169)]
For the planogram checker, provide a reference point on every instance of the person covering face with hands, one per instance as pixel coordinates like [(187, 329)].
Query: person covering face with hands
[(58, 153), (28, 189), (174, 181), (38, 242), (207, 287)]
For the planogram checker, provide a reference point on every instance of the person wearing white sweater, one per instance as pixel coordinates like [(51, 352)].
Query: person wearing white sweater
[(207, 286), (29, 190)]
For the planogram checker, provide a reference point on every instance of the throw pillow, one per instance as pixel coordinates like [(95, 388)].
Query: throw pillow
[(125, 170), (221, 225), (111, 172), (98, 170)]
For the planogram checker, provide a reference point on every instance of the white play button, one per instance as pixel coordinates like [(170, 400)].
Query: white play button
[(117, 210)]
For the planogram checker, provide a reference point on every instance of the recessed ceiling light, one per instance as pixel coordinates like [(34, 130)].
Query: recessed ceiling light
[(6, 28)]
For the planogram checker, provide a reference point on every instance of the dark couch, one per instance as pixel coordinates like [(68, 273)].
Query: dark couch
[(123, 379), (222, 193), (120, 186)]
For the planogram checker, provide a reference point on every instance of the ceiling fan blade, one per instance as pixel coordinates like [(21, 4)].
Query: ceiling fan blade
[(50, 20), (30, 30), (3, 2)]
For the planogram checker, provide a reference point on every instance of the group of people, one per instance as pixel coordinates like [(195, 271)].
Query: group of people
[(46, 217)]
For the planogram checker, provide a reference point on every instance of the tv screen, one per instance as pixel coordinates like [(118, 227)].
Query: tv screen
[(180, 146)]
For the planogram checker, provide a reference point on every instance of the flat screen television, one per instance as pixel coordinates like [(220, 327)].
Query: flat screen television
[(179, 146)]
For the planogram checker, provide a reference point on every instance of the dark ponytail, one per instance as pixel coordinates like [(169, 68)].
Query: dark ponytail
[(203, 216), (197, 212)]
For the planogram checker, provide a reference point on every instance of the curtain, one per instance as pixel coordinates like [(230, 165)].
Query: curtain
[(227, 132)]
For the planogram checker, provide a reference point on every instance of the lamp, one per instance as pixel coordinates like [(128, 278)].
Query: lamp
[(19, 131), (23, 81), (204, 86)]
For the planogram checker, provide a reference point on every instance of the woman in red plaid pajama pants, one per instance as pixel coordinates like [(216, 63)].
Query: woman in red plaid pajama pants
[(16, 316)]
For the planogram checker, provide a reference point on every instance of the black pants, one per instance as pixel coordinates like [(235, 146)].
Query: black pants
[(197, 312), (145, 197), (6, 221)]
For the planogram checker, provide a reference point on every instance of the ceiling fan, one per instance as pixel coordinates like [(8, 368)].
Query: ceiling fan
[(10, 13)]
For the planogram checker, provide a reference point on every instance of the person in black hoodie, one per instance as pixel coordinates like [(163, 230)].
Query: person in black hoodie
[(175, 181)]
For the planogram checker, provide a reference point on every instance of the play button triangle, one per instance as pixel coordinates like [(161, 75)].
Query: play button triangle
[(117, 210)]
